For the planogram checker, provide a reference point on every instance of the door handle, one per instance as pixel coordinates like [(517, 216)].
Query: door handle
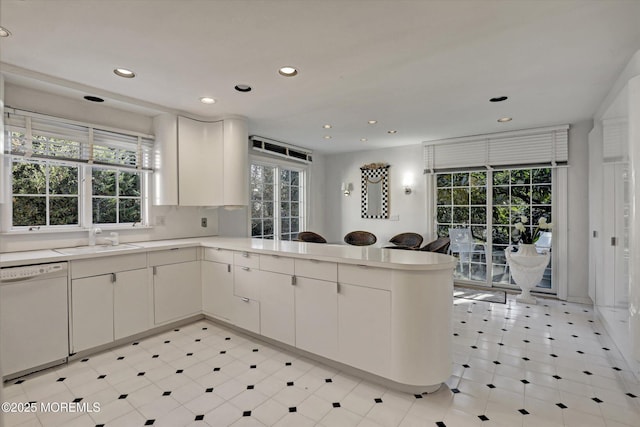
[(113, 278), (245, 299), (293, 280), (614, 241), (228, 268), (155, 270), (245, 268)]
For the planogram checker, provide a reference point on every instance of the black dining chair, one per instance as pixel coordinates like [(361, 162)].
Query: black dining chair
[(440, 245), (407, 240), (360, 238), (311, 237)]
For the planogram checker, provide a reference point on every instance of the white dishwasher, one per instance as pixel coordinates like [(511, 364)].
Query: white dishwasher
[(34, 320)]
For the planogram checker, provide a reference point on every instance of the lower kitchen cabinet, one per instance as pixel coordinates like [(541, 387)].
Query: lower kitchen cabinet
[(107, 307), (364, 336), (217, 289), (177, 291), (277, 312), (246, 314), (316, 316)]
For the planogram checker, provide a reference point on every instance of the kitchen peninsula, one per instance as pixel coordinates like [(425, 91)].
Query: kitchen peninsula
[(382, 314)]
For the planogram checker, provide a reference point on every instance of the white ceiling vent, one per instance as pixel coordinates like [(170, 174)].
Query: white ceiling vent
[(280, 149)]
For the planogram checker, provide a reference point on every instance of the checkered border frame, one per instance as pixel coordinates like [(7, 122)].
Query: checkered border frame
[(375, 174)]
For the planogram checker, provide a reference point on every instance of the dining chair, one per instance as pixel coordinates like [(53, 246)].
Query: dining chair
[(360, 238), (311, 237), (407, 240)]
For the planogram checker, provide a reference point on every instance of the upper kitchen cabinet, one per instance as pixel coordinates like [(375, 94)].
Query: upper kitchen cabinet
[(200, 163)]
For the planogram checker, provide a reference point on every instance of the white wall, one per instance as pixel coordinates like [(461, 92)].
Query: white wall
[(342, 213), (167, 221)]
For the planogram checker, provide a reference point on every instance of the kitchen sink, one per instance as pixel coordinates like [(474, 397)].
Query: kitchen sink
[(81, 250)]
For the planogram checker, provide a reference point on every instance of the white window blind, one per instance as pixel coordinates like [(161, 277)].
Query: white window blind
[(615, 139), (39, 136), (527, 147)]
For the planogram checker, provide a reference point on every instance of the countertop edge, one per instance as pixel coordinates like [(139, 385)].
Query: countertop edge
[(341, 253)]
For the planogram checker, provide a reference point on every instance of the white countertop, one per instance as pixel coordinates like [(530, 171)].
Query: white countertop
[(363, 255)]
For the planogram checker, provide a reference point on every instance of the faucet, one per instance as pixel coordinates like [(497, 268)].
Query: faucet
[(92, 235), (114, 239)]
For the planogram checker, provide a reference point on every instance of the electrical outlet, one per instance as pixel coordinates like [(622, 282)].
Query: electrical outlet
[(203, 222)]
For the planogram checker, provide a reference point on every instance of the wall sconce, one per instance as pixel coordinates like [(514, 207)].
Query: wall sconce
[(407, 182), (346, 188)]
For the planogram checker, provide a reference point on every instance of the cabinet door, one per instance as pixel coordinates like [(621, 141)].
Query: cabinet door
[(217, 289), (92, 305), (177, 291), (277, 316), (364, 328), (246, 314), (316, 311), (130, 303), (200, 162)]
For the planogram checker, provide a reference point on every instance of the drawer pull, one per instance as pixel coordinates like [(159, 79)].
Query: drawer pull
[(228, 268), (155, 270), (245, 299), (174, 249), (276, 256), (293, 280), (245, 254), (245, 268), (113, 278), (362, 266), (337, 288)]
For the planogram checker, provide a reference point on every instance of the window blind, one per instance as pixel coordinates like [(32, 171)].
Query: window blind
[(615, 139), (533, 146), (35, 135)]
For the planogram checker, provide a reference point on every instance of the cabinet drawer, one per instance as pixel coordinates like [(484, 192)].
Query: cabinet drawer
[(173, 256), (315, 269), (224, 256), (112, 264), (277, 264), (247, 282), (364, 275), (246, 259), (246, 314)]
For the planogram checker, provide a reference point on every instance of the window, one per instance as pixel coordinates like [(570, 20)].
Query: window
[(464, 200), (277, 201), (66, 174)]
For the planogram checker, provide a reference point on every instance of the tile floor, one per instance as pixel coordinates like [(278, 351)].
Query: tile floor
[(550, 364)]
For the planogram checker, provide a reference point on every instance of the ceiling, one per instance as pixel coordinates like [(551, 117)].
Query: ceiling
[(423, 68)]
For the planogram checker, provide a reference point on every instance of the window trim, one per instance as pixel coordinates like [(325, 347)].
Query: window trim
[(278, 164), (122, 139), (559, 207)]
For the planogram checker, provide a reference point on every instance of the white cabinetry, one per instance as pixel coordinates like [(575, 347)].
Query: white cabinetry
[(217, 283), (364, 318), (177, 291), (200, 163), (277, 298), (109, 299), (316, 307), (246, 291)]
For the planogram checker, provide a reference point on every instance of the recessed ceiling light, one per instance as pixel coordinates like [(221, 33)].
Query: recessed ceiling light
[(499, 99), (124, 72), (326, 126), (504, 119), (392, 131), (242, 88), (4, 32), (363, 139), (207, 100), (327, 137), (372, 122), (288, 71), (93, 98)]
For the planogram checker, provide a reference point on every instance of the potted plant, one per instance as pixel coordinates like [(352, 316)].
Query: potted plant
[(527, 265)]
